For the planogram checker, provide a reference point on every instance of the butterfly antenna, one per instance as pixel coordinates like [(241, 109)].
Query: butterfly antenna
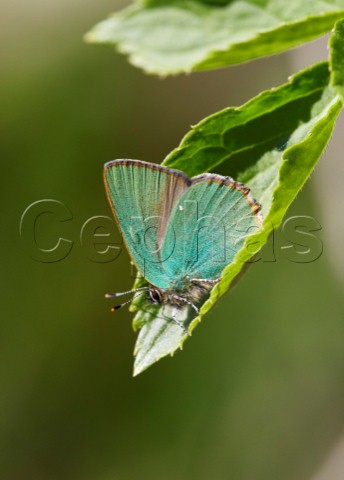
[(117, 307), (115, 295)]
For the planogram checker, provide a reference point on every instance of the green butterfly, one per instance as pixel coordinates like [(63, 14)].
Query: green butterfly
[(180, 232)]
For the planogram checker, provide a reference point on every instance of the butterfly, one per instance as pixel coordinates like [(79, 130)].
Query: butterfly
[(180, 232)]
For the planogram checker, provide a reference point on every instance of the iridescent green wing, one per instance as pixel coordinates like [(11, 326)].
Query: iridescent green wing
[(207, 227), (142, 196)]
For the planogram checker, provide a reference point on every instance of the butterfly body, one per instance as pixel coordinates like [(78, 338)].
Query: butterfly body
[(190, 291), (180, 232)]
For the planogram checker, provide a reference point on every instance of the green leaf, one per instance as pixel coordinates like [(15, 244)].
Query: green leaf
[(186, 35), (337, 58), (272, 144)]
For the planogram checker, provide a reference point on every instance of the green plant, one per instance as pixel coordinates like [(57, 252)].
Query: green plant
[(271, 143)]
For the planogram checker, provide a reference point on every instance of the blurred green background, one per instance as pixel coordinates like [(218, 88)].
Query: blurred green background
[(257, 393)]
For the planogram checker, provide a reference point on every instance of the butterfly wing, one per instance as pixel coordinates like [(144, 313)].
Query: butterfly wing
[(210, 223), (142, 196)]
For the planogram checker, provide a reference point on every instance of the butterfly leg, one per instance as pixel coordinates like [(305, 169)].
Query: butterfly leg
[(205, 280), (180, 324), (184, 300)]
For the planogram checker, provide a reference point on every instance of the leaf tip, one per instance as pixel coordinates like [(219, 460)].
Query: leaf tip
[(138, 368)]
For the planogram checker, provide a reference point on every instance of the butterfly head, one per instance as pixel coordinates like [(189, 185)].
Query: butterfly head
[(182, 294)]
